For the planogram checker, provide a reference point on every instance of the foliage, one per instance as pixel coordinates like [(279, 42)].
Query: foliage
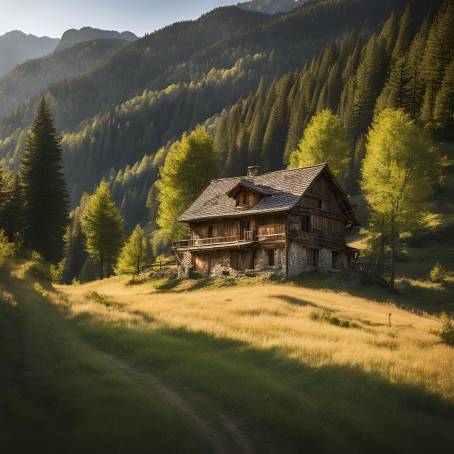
[(190, 165), (102, 227), (447, 329), (135, 252), (437, 273), (400, 169), (325, 140), (43, 188), (7, 248), (399, 173)]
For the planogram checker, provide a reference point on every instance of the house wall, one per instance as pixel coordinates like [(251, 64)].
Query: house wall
[(297, 259)]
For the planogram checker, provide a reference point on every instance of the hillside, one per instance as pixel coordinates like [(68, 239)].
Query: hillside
[(72, 37), (251, 367), (271, 6), (157, 87), (17, 47), (30, 78)]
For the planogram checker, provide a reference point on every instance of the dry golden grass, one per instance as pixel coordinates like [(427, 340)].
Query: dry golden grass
[(277, 316)]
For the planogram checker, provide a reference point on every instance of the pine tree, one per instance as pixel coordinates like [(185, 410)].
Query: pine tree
[(12, 210), (414, 87), (444, 104), (44, 193), (439, 52), (102, 226), (405, 33), (2, 200), (134, 253)]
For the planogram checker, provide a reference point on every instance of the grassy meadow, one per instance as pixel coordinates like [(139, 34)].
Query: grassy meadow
[(219, 366)]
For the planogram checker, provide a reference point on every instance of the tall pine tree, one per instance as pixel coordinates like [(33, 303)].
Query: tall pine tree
[(43, 187)]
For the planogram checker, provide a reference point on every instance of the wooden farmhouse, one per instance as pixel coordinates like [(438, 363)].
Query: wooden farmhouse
[(288, 221)]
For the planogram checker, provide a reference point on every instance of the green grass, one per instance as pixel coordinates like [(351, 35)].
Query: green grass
[(63, 395), (58, 394)]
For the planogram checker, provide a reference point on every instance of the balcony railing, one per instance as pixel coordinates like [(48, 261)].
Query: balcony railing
[(248, 236)]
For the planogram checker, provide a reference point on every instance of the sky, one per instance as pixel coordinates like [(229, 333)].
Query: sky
[(53, 17)]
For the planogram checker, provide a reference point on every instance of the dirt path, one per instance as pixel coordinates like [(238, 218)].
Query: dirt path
[(222, 432)]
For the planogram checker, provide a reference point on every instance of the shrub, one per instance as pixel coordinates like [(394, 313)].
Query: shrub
[(326, 316), (437, 274), (7, 249), (447, 329)]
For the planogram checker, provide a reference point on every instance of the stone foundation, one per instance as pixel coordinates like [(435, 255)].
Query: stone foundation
[(297, 259), (184, 265)]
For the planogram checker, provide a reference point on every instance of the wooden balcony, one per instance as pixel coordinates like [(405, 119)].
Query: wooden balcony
[(248, 237)]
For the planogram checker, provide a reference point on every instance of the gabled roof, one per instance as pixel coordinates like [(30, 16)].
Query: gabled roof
[(248, 184), (286, 188)]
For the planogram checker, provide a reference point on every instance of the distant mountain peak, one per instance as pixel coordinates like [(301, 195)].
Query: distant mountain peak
[(17, 47), (73, 36), (271, 6)]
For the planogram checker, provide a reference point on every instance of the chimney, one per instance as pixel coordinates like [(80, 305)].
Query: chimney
[(253, 171)]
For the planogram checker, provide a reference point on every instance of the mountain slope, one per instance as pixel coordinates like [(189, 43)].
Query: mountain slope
[(159, 86), (17, 47), (29, 78), (271, 6), (72, 37)]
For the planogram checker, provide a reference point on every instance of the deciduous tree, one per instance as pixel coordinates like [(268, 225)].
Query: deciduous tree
[(399, 172), (325, 140)]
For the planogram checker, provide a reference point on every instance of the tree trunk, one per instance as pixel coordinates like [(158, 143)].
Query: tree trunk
[(381, 253), (393, 254), (101, 267)]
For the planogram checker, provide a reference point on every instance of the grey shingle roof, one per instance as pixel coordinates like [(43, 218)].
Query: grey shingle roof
[(285, 187)]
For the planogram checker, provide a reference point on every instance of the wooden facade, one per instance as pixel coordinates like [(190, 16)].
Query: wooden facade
[(311, 234)]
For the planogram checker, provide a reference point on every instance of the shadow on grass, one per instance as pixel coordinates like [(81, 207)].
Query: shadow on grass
[(294, 301), (60, 395), (299, 407), (409, 296)]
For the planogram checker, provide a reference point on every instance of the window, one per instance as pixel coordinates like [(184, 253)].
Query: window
[(271, 257), (306, 223), (210, 231), (242, 199), (315, 258), (319, 204)]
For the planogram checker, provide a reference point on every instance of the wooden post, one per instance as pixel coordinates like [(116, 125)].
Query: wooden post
[(389, 319)]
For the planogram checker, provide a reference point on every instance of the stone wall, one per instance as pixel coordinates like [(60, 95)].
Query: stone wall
[(184, 264), (325, 259), (297, 259)]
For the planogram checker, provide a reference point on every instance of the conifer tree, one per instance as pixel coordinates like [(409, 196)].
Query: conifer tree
[(444, 104), (404, 34), (134, 253), (102, 226), (12, 210), (44, 193), (324, 140), (439, 52), (2, 199), (399, 172)]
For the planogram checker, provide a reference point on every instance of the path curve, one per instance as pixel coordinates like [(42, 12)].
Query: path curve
[(222, 432)]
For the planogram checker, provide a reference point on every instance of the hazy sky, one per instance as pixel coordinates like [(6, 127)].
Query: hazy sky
[(53, 17)]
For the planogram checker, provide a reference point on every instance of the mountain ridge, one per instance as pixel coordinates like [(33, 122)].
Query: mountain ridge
[(74, 36), (16, 47)]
